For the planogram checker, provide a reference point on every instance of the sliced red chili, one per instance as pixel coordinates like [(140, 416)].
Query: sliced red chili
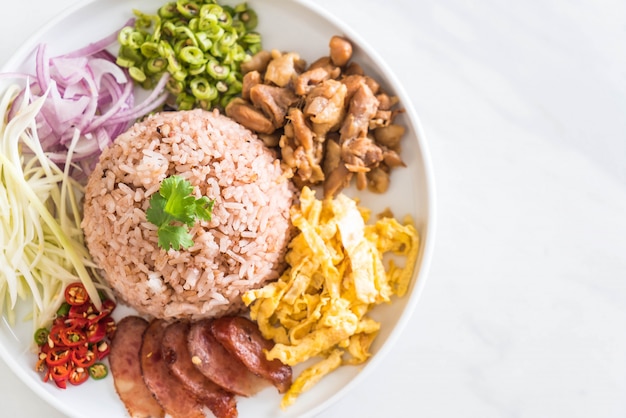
[(81, 311), (73, 337), (76, 322), (111, 327), (108, 305), (54, 337), (83, 356), (76, 294), (78, 375), (58, 356), (61, 384), (60, 372), (102, 350), (96, 332), (41, 366), (78, 339)]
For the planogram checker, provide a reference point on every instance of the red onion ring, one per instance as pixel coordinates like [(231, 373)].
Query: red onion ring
[(87, 91)]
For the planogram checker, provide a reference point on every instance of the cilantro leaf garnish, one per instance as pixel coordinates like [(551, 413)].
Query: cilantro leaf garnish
[(174, 210)]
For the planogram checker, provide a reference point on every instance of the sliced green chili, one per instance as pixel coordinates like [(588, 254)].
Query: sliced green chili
[(63, 309), (98, 371), (41, 336)]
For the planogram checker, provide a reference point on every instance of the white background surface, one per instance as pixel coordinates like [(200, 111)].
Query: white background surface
[(524, 107)]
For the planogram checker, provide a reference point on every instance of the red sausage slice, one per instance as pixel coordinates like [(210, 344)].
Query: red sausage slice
[(126, 371), (176, 356), (218, 364), (171, 395), (242, 338)]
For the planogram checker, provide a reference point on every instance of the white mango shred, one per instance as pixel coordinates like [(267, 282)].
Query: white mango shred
[(41, 241)]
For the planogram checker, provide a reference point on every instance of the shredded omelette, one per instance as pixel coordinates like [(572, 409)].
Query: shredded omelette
[(335, 276)]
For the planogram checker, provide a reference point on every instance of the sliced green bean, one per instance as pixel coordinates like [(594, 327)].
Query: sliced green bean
[(200, 43), (137, 74), (187, 9), (192, 55), (150, 49), (217, 70), (249, 18), (156, 65), (168, 11), (202, 89)]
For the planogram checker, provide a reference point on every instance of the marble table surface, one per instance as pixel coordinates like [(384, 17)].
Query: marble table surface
[(524, 108)]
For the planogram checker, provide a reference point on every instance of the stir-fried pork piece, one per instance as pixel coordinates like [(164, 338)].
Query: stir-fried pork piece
[(126, 370), (360, 154), (270, 140), (335, 99), (332, 156), (363, 107), (301, 150), (353, 68), (218, 364), (320, 62), (242, 338), (258, 62), (386, 102), (361, 179), (250, 117), (251, 79), (176, 356), (336, 180), (381, 119), (325, 106), (378, 180), (306, 81), (274, 101), (389, 136), (354, 82), (340, 50), (173, 397), (392, 159), (283, 68)]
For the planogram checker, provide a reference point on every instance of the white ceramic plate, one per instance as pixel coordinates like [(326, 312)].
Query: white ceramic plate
[(289, 26)]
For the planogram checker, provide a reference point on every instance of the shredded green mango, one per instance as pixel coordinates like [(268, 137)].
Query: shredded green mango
[(41, 241)]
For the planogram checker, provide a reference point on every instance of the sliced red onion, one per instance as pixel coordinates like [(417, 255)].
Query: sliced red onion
[(86, 91)]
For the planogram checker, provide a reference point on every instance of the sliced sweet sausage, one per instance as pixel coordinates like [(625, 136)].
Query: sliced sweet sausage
[(173, 397), (242, 338), (177, 357), (218, 364), (126, 371)]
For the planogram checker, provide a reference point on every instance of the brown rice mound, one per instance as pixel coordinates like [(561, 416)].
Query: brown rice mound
[(241, 248)]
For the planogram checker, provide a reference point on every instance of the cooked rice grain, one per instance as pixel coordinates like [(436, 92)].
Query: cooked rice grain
[(241, 248)]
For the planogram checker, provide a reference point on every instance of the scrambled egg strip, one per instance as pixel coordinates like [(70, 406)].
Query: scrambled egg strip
[(335, 275)]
